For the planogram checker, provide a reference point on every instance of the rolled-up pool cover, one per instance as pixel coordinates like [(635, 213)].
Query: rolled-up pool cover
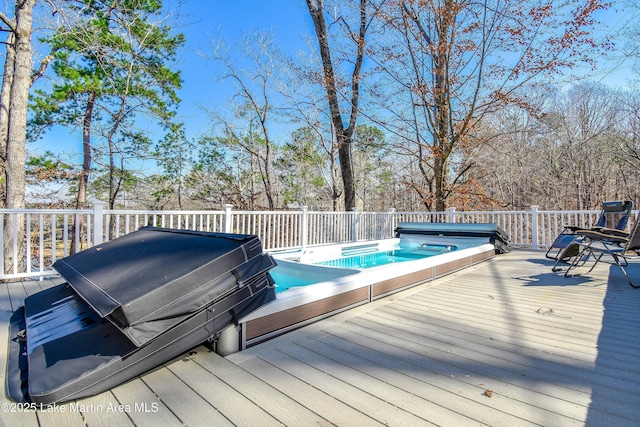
[(495, 235)]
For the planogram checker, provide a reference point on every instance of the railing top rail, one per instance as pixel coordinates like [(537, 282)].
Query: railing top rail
[(46, 211), (584, 211), (333, 213), (218, 211), (294, 211), (160, 212), (571, 212)]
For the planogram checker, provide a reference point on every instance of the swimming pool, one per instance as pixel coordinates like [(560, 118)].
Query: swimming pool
[(344, 262), (391, 256), (309, 291)]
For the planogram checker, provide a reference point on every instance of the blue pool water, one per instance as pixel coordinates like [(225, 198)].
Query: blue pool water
[(387, 257), (286, 278), (285, 281)]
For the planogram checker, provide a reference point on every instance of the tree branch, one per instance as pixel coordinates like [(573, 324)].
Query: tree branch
[(11, 23)]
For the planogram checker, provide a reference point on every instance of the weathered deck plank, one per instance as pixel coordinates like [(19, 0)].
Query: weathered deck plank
[(279, 405), (221, 395), (310, 395), (312, 368), (94, 408), (142, 405), (182, 398)]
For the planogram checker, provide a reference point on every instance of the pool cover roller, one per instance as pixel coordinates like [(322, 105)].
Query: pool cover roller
[(129, 305), (492, 232)]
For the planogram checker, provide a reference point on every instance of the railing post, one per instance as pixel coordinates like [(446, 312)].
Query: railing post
[(98, 222), (451, 215), (304, 228), (227, 217), (391, 222), (354, 225), (534, 227)]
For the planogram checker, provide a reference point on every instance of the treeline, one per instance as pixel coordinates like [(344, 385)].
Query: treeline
[(581, 148)]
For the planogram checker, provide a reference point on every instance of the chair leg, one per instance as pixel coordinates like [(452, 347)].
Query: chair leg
[(597, 260), (559, 245), (555, 254), (576, 260), (624, 271), (566, 255)]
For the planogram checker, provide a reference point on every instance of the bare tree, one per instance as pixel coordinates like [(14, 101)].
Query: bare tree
[(574, 154), (249, 128), (306, 104), (334, 86), (452, 62)]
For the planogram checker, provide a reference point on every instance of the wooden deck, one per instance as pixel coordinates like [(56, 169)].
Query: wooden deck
[(504, 343)]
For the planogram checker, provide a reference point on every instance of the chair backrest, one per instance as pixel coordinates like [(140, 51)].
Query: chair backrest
[(615, 209), (633, 244)]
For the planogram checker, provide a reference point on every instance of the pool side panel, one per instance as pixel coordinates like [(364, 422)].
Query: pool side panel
[(451, 266), (387, 286), (292, 316), (482, 256)]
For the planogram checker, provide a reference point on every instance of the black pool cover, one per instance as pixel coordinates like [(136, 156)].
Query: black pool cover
[(130, 305)]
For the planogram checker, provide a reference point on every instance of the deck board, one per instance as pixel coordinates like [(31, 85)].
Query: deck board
[(138, 402), (312, 368), (221, 395), (94, 408), (278, 404), (309, 395), (552, 350), (459, 383), (182, 398)]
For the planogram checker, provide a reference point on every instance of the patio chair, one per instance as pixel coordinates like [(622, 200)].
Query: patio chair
[(614, 215), (614, 243)]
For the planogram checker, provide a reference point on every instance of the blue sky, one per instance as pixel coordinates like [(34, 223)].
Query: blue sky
[(230, 20)]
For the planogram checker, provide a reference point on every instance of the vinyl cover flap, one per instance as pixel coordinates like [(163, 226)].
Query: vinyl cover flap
[(134, 278)]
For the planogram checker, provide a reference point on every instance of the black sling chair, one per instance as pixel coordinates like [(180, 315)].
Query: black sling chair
[(616, 244), (613, 216)]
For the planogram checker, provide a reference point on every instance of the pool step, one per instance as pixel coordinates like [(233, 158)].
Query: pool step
[(359, 249)]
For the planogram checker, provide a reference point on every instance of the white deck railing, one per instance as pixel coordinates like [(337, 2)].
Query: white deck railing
[(52, 233)]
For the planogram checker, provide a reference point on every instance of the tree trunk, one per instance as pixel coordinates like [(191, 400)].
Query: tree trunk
[(81, 198), (335, 191), (441, 175), (17, 129), (86, 152), (346, 170), (5, 99), (343, 134)]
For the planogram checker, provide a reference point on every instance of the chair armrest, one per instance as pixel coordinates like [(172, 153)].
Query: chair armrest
[(598, 235), (611, 231)]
